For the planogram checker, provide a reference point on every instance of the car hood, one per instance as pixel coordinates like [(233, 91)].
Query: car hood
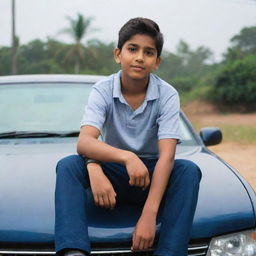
[(27, 196)]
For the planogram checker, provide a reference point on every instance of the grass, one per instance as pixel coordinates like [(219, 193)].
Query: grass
[(234, 133), (239, 133)]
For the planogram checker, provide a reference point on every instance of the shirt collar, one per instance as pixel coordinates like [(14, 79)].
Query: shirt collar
[(152, 90), (117, 85)]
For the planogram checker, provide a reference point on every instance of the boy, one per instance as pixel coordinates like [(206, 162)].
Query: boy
[(138, 115)]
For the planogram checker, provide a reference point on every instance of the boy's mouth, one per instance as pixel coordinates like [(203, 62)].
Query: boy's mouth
[(137, 68)]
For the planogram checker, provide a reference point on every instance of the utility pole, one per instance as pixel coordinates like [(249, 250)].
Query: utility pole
[(14, 41)]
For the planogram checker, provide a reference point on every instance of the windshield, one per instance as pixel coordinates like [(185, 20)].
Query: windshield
[(42, 107), (187, 136), (50, 108)]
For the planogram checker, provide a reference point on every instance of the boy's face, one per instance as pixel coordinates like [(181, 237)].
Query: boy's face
[(138, 57)]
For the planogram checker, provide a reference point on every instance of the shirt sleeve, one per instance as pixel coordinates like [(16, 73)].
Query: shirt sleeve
[(95, 110), (169, 118)]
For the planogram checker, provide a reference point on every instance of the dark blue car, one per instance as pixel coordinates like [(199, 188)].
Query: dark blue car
[(39, 124)]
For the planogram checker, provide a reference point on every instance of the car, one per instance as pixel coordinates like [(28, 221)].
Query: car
[(39, 125)]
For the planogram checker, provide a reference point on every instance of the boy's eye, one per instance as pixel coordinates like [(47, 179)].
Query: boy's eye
[(149, 53), (131, 49)]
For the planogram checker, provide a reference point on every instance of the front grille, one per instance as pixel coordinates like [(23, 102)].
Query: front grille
[(193, 250)]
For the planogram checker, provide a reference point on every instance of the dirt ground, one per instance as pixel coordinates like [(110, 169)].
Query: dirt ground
[(242, 156)]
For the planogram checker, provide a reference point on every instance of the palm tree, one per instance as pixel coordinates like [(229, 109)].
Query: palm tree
[(77, 30), (14, 41)]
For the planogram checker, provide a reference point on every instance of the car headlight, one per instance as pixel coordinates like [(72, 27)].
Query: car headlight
[(236, 244)]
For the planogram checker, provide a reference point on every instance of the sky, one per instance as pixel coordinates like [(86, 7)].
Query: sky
[(209, 23)]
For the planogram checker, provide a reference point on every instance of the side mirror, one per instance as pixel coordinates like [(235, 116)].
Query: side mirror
[(211, 136)]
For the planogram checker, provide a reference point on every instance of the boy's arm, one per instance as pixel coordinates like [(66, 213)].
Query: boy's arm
[(103, 192), (89, 145), (144, 233)]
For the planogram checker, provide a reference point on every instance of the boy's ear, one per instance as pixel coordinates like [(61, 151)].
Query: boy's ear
[(158, 61), (117, 52)]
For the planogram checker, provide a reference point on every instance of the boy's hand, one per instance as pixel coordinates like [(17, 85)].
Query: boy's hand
[(137, 172), (144, 233), (103, 192)]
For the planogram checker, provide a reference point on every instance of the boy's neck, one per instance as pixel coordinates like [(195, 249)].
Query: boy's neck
[(134, 86)]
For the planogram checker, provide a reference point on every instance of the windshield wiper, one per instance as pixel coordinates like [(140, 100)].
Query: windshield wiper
[(31, 134)]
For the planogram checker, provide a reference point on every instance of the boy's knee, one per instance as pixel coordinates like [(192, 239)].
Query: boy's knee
[(190, 169), (68, 163)]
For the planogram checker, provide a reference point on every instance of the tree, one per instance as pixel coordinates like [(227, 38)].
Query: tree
[(236, 83), (100, 58), (186, 67), (78, 29), (183, 51), (245, 40), (15, 41), (242, 44), (5, 60)]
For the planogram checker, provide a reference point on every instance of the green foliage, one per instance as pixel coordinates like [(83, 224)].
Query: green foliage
[(185, 69), (200, 92), (191, 71), (100, 58), (236, 82), (78, 26), (242, 44), (39, 57), (184, 84), (5, 61), (245, 40)]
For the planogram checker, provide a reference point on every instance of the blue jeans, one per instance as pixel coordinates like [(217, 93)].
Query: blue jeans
[(177, 207)]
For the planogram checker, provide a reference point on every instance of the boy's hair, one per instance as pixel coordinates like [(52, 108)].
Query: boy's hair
[(142, 26)]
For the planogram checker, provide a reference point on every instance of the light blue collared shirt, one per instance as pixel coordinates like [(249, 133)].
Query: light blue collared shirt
[(134, 130)]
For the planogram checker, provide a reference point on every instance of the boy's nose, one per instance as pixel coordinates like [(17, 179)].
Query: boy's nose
[(140, 57)]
